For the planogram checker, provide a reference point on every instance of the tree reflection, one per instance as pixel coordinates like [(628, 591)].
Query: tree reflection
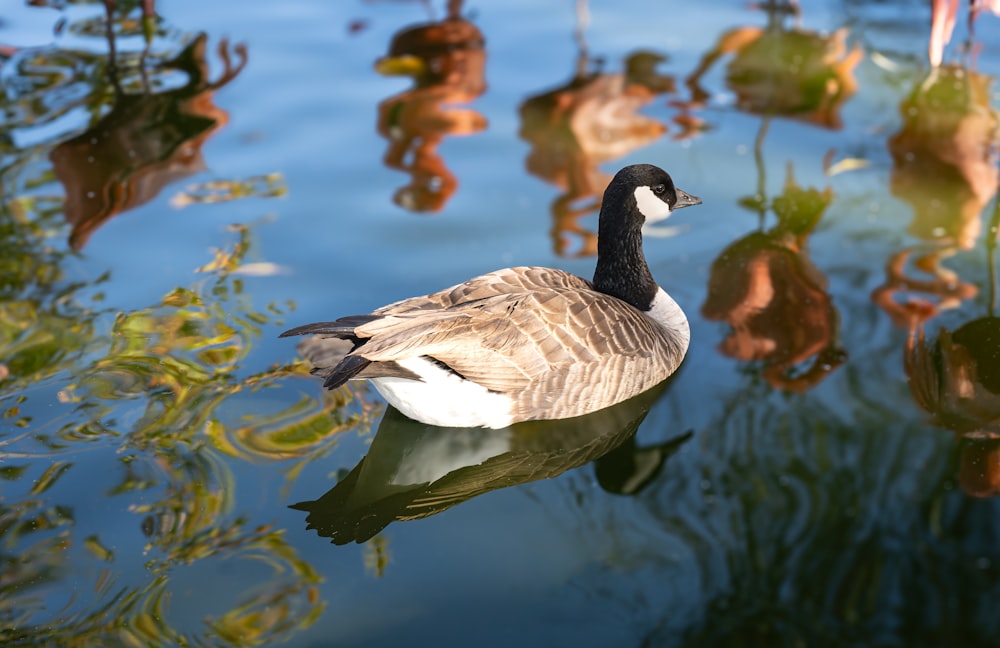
[(446, 61), (765, 287), (944, 167), (180, 364), (156, 391), (145, 132), (591, 120), (780, 71), (141, 448), (956, 379), (147, 141)]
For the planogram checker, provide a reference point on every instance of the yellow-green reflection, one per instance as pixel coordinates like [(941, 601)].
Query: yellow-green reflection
[(165, 386), (795, 518), (414, 470), (159, 386), (784, 72)]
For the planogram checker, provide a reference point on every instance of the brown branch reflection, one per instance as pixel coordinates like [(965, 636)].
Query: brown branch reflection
[(766, 288), (147, 141), (413, 470), (446, 61), (944, 168)]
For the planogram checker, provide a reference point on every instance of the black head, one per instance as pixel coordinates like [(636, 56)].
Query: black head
[(650, 189), (638, 194)]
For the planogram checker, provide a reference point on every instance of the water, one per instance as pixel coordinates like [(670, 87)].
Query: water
[(815, 474)]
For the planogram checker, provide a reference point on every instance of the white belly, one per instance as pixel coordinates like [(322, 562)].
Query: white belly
[(444, 399)]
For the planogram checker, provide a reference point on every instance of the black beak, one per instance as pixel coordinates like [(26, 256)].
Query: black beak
[(684, 199)]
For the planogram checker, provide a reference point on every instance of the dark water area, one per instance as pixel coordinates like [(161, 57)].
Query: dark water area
[(178, 187)]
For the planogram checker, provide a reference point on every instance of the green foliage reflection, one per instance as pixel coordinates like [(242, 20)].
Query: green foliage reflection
[(156, 387), (156, 395), (161, 388)]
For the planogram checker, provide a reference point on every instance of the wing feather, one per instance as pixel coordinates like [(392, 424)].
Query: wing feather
[(545, 337), (511, 341)]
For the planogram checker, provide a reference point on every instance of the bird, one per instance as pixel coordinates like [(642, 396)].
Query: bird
[(524, 343)]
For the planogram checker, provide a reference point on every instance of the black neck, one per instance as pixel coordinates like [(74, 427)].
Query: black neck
[(621, 266)]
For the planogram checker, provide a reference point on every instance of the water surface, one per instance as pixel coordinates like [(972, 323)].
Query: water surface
[(821, 471)]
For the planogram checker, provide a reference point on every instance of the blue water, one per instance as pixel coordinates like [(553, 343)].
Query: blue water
[(839, 511)]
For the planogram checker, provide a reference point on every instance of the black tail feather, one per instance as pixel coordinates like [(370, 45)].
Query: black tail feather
[(346, 369), (342, 327)]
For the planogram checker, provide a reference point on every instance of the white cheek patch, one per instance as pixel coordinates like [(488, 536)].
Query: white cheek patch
[(650, 205)]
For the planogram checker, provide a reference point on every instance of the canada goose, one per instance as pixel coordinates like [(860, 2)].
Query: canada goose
[(526, 343)]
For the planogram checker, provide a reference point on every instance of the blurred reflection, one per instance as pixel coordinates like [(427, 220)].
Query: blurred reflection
[(147, 141), (767, 289), (956, 376), (165, 392), (576, 127), (979, 469), (777, 71), (590, 120), (764, 285), (413, 470), (944, 167), (446, 61), (956, 379), (46, 326), (943, 14)]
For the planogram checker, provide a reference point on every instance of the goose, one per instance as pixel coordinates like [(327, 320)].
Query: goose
[(524, 343)]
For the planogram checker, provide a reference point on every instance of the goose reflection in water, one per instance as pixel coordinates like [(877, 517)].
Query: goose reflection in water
[(413, 470), (446, 61), (944, 166), (147, 141), (575, 128), (774, 299)]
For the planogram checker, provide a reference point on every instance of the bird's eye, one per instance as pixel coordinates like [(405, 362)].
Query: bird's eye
[(659, 189)]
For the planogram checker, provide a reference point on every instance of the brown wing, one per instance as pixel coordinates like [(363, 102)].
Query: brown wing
[(543, 336), (507, 281)]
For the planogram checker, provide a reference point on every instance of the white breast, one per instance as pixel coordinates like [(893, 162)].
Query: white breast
[(443, 398), (669, 315)]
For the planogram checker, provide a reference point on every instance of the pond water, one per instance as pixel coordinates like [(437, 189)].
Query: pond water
[(822, 470)]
